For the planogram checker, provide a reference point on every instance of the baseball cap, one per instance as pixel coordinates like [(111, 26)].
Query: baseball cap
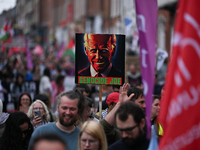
[(112, 97)]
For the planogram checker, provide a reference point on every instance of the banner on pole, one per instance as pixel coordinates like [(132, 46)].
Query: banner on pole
[(181, 101), (146, 11)]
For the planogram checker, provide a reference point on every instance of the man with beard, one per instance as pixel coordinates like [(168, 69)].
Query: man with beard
[(126, 94), (130, 122), (70, 106)]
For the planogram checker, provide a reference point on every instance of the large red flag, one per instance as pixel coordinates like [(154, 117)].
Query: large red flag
[(180, 105)]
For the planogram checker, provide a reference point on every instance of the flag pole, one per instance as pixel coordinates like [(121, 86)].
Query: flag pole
[(100, 102)]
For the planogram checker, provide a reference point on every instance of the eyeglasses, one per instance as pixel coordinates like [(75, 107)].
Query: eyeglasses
[(127, 130), (84, 141), (36, 108)]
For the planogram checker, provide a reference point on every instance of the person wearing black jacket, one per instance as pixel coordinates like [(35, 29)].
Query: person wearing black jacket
[(130, 122)]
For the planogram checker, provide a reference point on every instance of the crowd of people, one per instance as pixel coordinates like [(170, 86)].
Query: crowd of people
[(39, 110), (76, 126)]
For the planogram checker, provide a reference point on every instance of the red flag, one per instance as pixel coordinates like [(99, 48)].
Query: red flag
[(181, 101), (5, 27)]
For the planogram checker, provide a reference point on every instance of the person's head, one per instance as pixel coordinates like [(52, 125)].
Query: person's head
[(19, 78), (67, 62), (48, 141), (100, 49), (84, 88), (47, 72), (60, 80), (162, 91), (130, 122), (112, 100), (132, 68), (70, 106), (25, 100), (155, 106), (138, 98), (38, 105), (92, 137), (88, 107), (116, 88), (18, 129)]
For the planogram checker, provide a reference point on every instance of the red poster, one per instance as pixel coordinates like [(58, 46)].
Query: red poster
[(100, 59), (181, 101)]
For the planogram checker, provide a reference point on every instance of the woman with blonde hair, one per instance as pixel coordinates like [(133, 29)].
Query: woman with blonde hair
[(92, 136), (38, 113)]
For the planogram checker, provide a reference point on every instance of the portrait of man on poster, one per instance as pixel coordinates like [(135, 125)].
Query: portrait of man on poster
[(100, 48)]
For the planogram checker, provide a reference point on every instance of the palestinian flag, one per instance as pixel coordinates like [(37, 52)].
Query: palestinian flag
[(3, 35), (6, 31), (70, 49)]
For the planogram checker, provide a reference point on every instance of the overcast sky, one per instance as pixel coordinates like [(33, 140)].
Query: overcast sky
[(6, 4)]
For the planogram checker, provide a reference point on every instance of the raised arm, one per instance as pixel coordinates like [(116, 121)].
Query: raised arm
[(122, 98)]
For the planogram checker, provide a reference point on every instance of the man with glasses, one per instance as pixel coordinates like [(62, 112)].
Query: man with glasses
[(130, 122), (109, 121)]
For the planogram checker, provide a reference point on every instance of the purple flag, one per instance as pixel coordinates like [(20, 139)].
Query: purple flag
[(61, 49), (28, 56), (146, 11)]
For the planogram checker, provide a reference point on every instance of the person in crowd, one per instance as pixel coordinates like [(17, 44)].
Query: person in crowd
[(17, 132), (57, 88), (38, 114), (100, 49), (68, 66), (85, 88), (108, 122), (157, 87), (45, 83), (3, 118), (104, 105), (111, 101), (24, 102), (70, 106), (134, 76), (36, 76), (155, 108), (46, 100), (162, 92), (48, 142), (92, 137), (154, 114), (28, 74), (18, 88), (130, 122), (89, 113), (4, 90), (116, 88), (138, 97)]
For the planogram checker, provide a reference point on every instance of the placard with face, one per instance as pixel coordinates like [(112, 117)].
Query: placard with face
[(100, 59)]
